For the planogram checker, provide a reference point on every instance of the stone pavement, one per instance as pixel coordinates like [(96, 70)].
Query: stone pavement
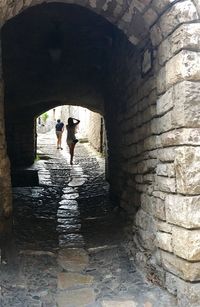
[(66, 246)]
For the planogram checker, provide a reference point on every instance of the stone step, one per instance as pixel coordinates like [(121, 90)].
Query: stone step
[(73, 259), (73, 280), (76, 298)]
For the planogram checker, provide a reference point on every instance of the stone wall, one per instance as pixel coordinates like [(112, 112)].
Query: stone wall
[(21, 140), (95, 132), (5, 182), (154, 139)]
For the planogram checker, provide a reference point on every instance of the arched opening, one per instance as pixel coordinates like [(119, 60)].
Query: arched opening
[(141, 78)]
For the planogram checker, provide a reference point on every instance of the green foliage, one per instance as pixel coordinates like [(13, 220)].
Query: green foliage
[(37, 158), (44, 117)]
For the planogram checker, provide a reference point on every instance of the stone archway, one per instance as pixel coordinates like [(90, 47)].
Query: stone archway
[(153, 128)]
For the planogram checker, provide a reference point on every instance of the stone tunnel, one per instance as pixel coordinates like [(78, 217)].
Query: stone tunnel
[(136, 63)]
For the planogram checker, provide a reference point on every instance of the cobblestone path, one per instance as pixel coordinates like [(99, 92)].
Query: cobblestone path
[(66, 246)]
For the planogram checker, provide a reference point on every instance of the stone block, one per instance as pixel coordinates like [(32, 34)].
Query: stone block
[(163, 226), (171, 283), (144, 220), (165, 102), (187, 168), (183, 210), (156, 35), (188, 294), (147, 239), (70, 280), (146, 166), (186, 97), (189, 271), (166, 170), (160, 5), (73, 259), (164, 241), (160, 194), (183, 136), (78, 298), (148, 86), (166, 154), (161, 81), (186, 243), (146, 202), (183, 66), (150, 143), (150, 16), (166, 184), (187, 36), (181, 12), (158, 208), (165, 123)]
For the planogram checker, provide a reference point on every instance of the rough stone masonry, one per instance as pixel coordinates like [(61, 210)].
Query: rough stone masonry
[(152, 118)]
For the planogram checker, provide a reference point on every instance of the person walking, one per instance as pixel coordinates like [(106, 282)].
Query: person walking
[(71, 137), (59, 131)]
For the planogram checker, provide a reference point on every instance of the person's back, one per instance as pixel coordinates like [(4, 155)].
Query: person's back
[(59, 126), (71, 132), (59, 130)]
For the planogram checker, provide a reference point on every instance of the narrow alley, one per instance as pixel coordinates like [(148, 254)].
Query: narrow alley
[(66, 247)]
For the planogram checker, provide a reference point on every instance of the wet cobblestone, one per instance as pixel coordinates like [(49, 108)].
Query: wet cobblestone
[(67, 224)]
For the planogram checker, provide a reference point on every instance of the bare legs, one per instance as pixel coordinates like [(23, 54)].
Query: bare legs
[(59, 138), (71, 151)]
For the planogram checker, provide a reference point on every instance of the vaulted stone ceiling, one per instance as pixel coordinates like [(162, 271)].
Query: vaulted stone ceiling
[(54, 52)]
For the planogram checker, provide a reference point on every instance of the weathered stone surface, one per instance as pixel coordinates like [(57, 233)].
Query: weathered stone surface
[(147, 239), (164, 227), (146, 166), (73, 259), (166, 184), (150, 143), (78, 298), (187, 167), (159, 208), (160, 5), (183, 66), (187, 36), (166, 170), (150, 16), (123, 303), (146, 203), (188, 294), (164, 241), (166, 154), (144, 220), (183, 210), (165, 102), (165, 123), (171, 283), (70, 280), (156, 35), (186, 97), (184, 136), (177, 14), (186, 270), (186, 243)]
